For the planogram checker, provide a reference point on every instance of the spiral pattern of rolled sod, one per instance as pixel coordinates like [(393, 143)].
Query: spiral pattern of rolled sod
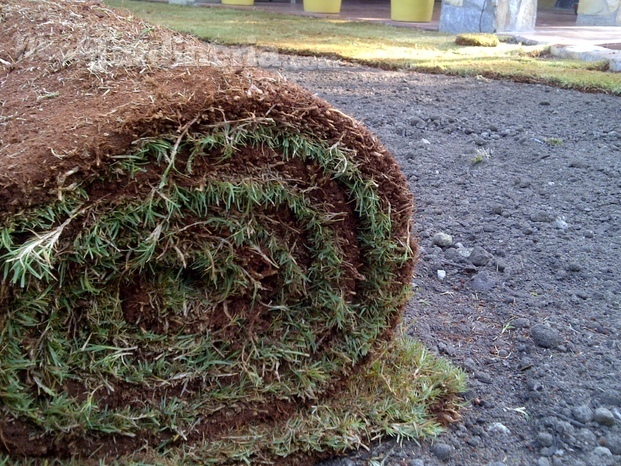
[(214, 273), (187, 253)]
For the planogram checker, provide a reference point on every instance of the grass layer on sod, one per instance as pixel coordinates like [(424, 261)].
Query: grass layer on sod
[(376, 44), (199, 263)]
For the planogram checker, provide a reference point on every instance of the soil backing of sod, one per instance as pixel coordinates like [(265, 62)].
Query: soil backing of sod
[(197, 261)]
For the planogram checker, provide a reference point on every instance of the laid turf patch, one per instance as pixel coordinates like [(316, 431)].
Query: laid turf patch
[(477, 40), (198, 263)]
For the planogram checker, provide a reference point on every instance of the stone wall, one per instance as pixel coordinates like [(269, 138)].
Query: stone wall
[(459, 16), (599, 13), (467, 16)]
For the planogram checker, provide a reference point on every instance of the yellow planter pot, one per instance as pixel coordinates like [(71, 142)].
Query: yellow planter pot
[(418, 11), (322, 6), (238, 2)]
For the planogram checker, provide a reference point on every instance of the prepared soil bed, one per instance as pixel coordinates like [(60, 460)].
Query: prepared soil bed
[(518, 215)]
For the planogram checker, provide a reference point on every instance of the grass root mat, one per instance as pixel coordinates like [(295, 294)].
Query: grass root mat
[(197, 263)]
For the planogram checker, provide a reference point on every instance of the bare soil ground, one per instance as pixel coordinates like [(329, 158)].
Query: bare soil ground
[(526, 181)]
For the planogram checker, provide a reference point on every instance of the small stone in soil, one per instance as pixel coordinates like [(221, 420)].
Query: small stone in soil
[(498, 427), (496, 209), (545, 336), (479, 256), (585, 437), (483, 377), (521, 322), (456, 255), (463, 251), (564, 428), (604, 417), (610, 397), (582, 413), (474, 441), (523, 183), (613, 443), (577, 163), (545, 439), (442, 239), (601, 451), (525, 363), (541, 217), (547, 451), (501, 265), (483, 282), (442, 451)]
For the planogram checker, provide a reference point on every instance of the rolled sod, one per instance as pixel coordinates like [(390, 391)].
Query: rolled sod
[(198, 262)]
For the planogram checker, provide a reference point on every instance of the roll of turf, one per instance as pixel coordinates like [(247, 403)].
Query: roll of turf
[(190, 253)]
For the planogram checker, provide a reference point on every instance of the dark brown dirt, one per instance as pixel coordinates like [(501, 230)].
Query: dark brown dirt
[(527, 181)]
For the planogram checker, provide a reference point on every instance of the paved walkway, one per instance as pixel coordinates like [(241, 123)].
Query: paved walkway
[(558, 26)]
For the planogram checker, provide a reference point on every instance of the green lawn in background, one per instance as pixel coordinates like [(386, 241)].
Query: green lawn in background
[(375, 44)]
